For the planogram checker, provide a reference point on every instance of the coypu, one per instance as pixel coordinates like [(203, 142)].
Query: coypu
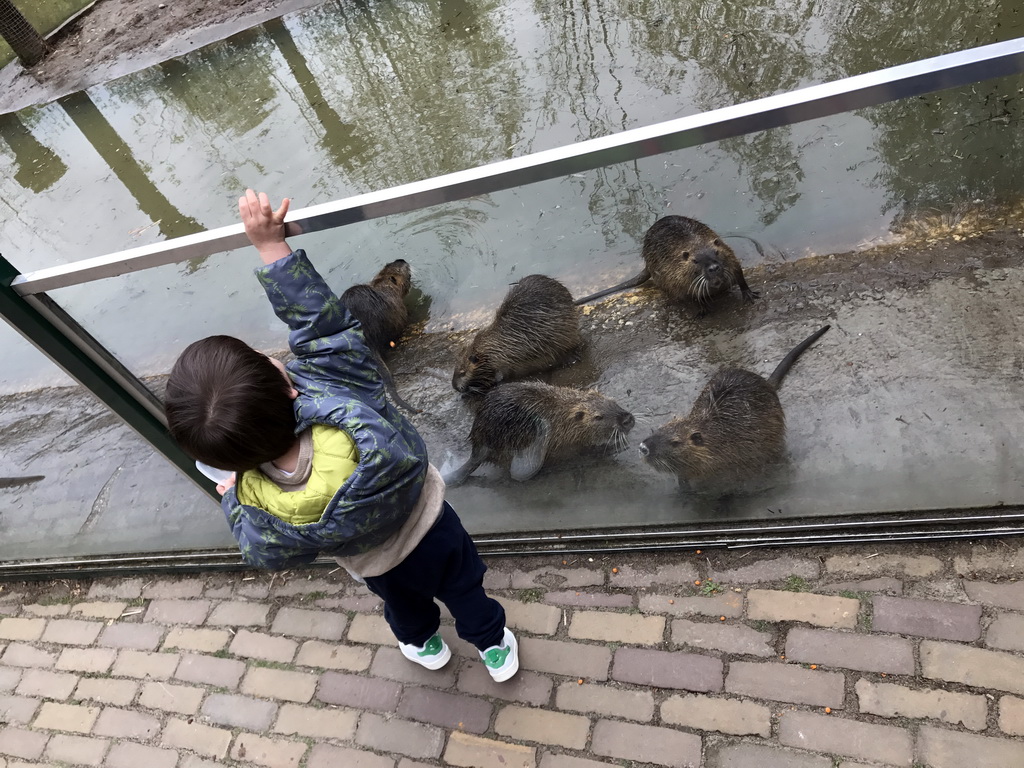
[(687, 260), (735, 430), (379, 306), (535, 328), (524, 423)]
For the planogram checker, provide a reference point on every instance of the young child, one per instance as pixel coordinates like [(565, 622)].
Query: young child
[(325, 464)]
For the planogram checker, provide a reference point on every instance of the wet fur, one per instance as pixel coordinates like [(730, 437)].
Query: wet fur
[(735, 431), (535, 328), (688, 261), (527, 424)]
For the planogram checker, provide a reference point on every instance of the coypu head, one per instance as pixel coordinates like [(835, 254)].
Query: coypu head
[(679, 448), (594, 420), (475, 373), (688, 258), (397, 274)]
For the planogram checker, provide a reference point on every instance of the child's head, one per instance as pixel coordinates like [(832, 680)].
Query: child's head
[(230, 406)]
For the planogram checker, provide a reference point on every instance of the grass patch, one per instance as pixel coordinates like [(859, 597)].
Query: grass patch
[(796, 583), (531, 595), (273, 665), (710, 587)]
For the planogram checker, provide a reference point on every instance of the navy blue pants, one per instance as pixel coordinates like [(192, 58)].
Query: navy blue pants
[(445, 565)]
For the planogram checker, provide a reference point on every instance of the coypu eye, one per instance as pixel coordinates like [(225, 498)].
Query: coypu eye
[(394, 279), (697, 438), (718, 243), (473, 359), (599, 417), (579, 415), (686, 255)]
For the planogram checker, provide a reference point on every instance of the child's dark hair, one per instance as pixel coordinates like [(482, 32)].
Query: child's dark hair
[(228, 406)]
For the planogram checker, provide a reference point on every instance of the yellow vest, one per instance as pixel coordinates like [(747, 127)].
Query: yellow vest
[(334, 460)]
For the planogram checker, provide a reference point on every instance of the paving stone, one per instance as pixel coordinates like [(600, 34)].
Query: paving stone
[(544, 726), (617, 627), (18, 709), (66, 717), (239, 711), (820, 610), (833, 735), (183, 699), (786, 682), (914, 566), (706, 713), (155, 666), (237, 614), (307, 586), (19, 742), (358, 692), (106, 691), (476, 752), (535, 618), (939, 748), (279, 684), (72, 631), (972, 666), (1009, 595), (326, 756), (317, 723), (881, 584), (126, 724), (99, 609), (668, 669), (998, 564), (465, 713), (22, 629), (590, 662), (605, 700), (210, 670), (202, 739), (256, 645), (775, 569), (389, 734), (76, 750), (202, 640), (274, 753), (646, 744), (753, 756), (671, 574), (141, 637), (926, 618), (573, 598), (46, 684), (116, 589), (1011, 715), (728, 604), (20, 655), (253, 590), (47, 611), (315, 653), (549, 760), (730, 638), (9, 678), (497, 579), (1006, 632), (355, 603), (128, 755), (191, 761), (177, 611), (557, 578), (370, 629), (890, 700), (526, 687), (867, 653), (389, 663), (173, 589), (321, 625), (94, 660)]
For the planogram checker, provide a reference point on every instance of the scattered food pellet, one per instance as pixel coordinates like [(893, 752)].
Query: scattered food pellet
[(697, 583), (580, 681), (698, 551), (721, 618), (565, 562), (615, 570), (460, 725), (783, 656), (814, 666), (671, 602), (392, 344), (736, 589), (828, 710)]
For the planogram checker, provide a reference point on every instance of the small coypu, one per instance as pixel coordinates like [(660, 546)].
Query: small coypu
[(379, 306), (688, 261), (524, 423), (535, 328), (734, 432)]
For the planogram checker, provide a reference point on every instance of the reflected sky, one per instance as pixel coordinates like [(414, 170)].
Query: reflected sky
[(358, 96)]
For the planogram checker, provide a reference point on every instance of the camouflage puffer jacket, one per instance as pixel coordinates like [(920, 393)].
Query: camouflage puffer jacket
[(338, 384)]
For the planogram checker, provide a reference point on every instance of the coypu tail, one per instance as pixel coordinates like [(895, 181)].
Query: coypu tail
[(633, 282), (776, 378), (389, 383), (14, 482)]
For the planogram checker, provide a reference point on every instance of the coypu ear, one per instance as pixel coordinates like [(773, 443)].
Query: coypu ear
[(474, 360), (579, 415), (686, 255), (697, 438)]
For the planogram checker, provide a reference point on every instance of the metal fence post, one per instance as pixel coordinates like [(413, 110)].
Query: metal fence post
[(47, 327)]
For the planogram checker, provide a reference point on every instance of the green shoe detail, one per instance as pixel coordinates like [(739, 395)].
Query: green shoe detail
[(432, 647), (495, 657)]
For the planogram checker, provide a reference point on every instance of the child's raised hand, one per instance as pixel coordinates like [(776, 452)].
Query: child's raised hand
[(222, 488), (264, 225)]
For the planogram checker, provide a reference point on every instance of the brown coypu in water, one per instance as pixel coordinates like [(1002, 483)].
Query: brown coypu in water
[(379, 306), (735, 431), (535, 328), (524, 423), (688, 261)]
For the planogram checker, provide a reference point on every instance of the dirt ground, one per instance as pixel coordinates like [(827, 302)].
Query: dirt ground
[(118, 37)]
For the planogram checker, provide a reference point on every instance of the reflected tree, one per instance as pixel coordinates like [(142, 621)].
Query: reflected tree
[(39, 167)]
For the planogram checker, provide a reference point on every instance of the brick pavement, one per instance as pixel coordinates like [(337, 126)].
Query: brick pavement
[(845, 658)]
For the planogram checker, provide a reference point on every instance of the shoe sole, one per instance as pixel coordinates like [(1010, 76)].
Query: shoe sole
[(435, 663), (505, 674)]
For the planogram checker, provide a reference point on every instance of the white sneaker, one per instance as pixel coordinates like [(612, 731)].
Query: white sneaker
[(434, 654), (502, 661)]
